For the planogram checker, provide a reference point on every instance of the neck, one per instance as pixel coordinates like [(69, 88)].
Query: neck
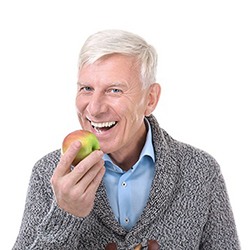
[(133, 151)]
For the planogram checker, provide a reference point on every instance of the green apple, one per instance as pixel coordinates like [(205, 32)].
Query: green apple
[(88, 140)]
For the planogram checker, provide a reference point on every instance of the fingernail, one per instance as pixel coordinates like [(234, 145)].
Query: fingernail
[(78, 144), (100, 153)]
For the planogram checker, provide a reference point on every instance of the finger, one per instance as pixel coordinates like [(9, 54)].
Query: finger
[(93, 175), (67, 158), (85, 165), (91, 189), (97, 180)]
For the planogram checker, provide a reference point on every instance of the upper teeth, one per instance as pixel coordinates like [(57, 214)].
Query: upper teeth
[(102, 124)]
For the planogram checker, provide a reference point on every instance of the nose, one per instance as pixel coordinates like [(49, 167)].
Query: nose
[(97, 105)]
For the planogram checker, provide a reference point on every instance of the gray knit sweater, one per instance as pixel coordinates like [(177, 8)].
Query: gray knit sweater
[(188, 207)]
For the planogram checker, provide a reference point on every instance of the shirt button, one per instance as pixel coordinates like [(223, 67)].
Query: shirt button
[(126, 220), (124, 184)]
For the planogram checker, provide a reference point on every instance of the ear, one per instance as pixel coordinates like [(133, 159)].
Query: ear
[(154, 93)]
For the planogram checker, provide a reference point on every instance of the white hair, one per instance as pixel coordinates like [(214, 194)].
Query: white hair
[(110, 42)]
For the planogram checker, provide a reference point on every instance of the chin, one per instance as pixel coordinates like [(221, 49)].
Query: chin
[(106, 149)]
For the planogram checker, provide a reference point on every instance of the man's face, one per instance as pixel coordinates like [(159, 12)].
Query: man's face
[(111, 103)]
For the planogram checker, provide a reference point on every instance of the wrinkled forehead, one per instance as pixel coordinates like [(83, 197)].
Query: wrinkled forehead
[(114, 68)]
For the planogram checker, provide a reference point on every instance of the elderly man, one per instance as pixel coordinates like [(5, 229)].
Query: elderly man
[(143, 189)]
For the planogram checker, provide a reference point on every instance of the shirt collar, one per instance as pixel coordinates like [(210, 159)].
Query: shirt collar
[(148, 149)]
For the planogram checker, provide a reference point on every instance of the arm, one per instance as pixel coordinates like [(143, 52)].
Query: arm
[(50, 220), (44, 224), (220, 230)]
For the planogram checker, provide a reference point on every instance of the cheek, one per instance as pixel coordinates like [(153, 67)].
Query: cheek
[(132, 116), (138, 109), (80, 105), (133, 105)]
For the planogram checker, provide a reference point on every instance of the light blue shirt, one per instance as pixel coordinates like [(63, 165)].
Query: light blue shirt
[(128, 191)]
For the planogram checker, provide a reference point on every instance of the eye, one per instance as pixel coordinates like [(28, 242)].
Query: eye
[(115, 91), (86, 89)]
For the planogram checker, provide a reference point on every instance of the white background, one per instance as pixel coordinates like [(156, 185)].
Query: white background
[(204, 70)]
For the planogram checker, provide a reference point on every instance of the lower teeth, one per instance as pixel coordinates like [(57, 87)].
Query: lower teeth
[(98, 130)]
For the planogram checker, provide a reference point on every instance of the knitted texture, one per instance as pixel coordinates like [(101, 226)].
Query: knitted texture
[(188, 207)]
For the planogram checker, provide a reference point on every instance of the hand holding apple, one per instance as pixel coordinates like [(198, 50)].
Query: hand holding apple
[(88, 140), (75, 190)]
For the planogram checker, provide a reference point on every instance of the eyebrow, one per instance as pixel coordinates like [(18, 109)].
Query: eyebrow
[(80, 84), (111, 84), (116, 84)]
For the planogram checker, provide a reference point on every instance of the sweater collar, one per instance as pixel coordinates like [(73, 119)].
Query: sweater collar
[(163, 185)]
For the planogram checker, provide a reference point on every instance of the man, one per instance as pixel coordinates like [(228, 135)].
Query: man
[(143, 189)]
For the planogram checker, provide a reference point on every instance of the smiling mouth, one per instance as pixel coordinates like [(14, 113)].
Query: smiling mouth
[(102, 126)]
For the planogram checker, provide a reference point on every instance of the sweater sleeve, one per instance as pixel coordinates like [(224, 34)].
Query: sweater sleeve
[(44, 224), (220, 230)]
